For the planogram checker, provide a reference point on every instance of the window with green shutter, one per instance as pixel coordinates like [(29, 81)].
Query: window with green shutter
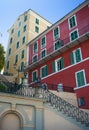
[(19, 33), (80, 78), (22, 56), (43, 42), (23, 40), (58, 44), (35, 47), (76, 56), (37, 21), (24, 28), (43, 53), (34, 76), (17, 45), (8, 64), (22, 66), (59, 64), (74, 35), (53, 66), (56, 32), (25, 18), (36, 29), (35, 58), (72, 22), (44, 71), (16, 58)]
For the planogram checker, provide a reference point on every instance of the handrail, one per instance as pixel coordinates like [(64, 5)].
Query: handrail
[(51, 49), (67, 108)]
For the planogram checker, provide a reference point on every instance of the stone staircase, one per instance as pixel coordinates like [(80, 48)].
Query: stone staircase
[(68, 108)]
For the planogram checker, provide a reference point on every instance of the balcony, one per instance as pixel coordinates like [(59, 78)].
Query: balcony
[(65, 45)]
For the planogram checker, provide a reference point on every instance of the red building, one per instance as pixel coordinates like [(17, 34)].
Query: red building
[(60, 55)]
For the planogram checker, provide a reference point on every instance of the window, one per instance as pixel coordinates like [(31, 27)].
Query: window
[(22, 55), (11, 39), (16, 58), (36, 29), (9, 51), (17, 45), (12, 31), (80, 78), (8, 63), (19, 33), (72, 22), (35, 47), (25, 18), (24, 28), (56, 32), (43, 53), (22, 66), (58, 44), (19, 24), (35, 58), (34, 76), (81, 101), (37, 21), (44, 71), (76, 56), (23, 40), (43, 42), (58, 64), (74, 35)]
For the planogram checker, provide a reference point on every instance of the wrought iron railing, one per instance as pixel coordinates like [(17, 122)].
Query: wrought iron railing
[(51, 50), (56, 101), (67, 108)]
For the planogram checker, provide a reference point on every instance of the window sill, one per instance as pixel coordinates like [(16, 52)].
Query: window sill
[(86, 85)]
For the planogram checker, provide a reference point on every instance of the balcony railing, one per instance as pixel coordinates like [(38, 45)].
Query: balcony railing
[(51, 51)]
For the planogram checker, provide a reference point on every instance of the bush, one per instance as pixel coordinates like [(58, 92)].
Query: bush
[(3, 88)]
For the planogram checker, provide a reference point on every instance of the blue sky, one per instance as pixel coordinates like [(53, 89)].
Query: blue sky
[(52, 10)]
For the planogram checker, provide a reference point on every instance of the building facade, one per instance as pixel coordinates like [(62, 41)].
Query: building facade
[(60, 56), (27, 26)]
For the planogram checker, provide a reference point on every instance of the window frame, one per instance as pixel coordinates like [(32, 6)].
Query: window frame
[(74, 60), (36, 29), (35, 49), (46, 67), (61, 44), (36, 75), (59, 60), (75, 22), (44, 43), (22, 54), (33, 58), (37, 21), (72, 33), (45, 53), (58, 33), (77, 78)]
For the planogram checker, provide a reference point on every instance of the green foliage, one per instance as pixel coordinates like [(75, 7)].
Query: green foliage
[(3, 88), (2, 57)]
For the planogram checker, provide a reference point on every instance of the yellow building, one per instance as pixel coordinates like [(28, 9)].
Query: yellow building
[(25, 28)]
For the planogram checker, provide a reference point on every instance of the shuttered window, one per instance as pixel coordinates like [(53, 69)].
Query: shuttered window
[(56, 32), (44, 71), (80, 78), (74, 35), (34, 76), (76, 56), (72, 22)]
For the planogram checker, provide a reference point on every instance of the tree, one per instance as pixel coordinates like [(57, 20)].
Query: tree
[(2, 57)]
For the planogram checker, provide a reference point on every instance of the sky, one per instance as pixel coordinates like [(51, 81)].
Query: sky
[(52, 10)]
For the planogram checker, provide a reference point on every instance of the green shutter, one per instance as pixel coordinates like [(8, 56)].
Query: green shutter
[(78, 56), (53, 66), (80, 79), (46, 70), (72, 58), (62, 63)]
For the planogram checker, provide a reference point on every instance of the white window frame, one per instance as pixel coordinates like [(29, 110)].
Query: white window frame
[(72, 32), (37, 47), (77, 80), (41, 41), (56, 68), (34, 56), (41, 53), (41, 70), (58, 31), (75, 22), (36, 74), (75, 56)]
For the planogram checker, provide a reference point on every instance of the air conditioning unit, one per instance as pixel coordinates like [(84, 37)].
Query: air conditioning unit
[(60, 87)]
